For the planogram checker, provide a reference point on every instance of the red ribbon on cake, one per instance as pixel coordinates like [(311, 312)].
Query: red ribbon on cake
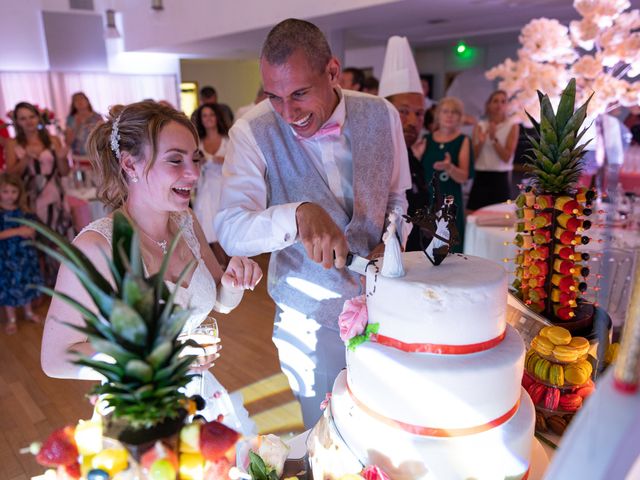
[(437, 348), (436, 432)]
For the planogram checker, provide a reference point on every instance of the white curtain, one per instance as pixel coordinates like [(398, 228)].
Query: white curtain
[(32, 87), (54, 89)]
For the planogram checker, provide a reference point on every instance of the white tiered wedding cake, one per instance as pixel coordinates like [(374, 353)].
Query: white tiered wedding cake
[(435, 393)]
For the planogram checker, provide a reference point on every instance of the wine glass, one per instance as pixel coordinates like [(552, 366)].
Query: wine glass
[(206, 336)]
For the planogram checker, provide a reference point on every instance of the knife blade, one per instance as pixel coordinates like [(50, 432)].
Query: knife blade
[(358, 264)]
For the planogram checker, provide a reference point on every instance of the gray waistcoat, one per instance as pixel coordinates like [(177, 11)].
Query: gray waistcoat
[(291, 176)]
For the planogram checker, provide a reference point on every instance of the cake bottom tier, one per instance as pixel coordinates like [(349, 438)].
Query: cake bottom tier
[(499, 453)]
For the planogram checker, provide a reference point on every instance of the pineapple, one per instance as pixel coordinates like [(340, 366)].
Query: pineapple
[(137, 325), (550, 275), (556, 159)]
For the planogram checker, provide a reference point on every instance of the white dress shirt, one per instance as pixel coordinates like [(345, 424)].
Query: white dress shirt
[(250, 228)]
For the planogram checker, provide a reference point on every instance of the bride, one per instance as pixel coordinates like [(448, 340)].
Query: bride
[(147, 162)]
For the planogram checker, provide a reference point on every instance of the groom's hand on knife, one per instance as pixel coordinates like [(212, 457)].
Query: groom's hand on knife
[(322, 239)]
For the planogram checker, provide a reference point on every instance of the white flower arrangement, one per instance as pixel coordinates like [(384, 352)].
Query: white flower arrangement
[(602, 51)]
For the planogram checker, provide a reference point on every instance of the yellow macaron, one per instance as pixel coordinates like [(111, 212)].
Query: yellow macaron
[(542, 345), (581, 344), (565, 353), (578, 373), (558, 335)]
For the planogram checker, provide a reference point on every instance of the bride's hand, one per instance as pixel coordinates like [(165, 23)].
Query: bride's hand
[(242, 273)]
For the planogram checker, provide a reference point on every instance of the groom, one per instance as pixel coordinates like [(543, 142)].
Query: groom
[(310, 175)]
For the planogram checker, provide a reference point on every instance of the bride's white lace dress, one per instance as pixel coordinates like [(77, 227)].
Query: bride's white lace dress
[(200, 296)]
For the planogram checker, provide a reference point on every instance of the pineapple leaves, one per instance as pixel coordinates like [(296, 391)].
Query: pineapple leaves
[(566, 105), (136, 325), (128, 323), (139, 370), (74, 255), (556, 157), (122, 240)]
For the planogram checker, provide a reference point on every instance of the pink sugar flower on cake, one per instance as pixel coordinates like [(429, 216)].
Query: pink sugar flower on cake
[(353, 319)]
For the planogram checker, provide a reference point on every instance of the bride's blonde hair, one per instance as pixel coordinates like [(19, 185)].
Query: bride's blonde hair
[(136, 126)]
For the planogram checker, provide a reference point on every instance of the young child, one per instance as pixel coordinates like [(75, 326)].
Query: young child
[(19, 265)]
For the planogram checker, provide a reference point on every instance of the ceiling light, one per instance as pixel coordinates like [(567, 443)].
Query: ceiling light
[(157, 5), (461, 47), (112, 30)]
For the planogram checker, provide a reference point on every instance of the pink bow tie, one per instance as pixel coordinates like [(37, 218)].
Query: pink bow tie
[(328, 130)]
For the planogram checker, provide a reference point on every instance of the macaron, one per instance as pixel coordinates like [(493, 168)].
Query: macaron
[(557, 424), (542, 345), (541, 423), (556, 375), (570, 402), (581, 344), (537, 392), (541, 369), (565, 353), (530, 362), (558, 335), (527, 381), (578, 372), (586, 390), (552, 398)]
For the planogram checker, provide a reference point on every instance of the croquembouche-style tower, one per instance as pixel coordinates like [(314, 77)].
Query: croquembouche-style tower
[(551, 272)]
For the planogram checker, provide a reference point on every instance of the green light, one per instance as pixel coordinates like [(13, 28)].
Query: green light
[(461, 47)]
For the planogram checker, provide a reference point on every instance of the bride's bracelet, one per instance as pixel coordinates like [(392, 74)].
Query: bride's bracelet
[(228, 299)]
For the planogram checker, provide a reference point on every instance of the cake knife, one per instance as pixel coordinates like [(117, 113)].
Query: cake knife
[(358, 264)]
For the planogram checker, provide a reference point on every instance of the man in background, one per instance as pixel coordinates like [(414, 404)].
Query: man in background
[(401, 85), (352, 79)]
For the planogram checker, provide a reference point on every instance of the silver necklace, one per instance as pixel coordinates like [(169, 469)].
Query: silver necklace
[(162, 244)]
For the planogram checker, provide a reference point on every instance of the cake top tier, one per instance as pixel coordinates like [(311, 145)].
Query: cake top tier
[(460, 302)]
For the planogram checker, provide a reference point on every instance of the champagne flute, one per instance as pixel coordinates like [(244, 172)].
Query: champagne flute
[(206, 336)]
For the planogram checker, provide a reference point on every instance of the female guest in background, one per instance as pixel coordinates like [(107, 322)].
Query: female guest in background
[(494, 144), (40, 160), (448, 154), (147, 162), (81, 120), (213, 133)]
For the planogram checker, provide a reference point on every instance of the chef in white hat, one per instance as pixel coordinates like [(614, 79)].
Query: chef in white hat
[(400, 84)]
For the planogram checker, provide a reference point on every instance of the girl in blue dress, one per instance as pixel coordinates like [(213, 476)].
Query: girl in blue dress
[(19, 267)]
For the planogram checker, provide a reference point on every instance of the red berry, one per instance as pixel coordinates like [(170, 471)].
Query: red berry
[(216, 440), (59, 449)]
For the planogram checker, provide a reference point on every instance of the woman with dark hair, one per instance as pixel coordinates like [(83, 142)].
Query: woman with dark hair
[(494, 145), (81, 120), (40, 160), (213, 138)]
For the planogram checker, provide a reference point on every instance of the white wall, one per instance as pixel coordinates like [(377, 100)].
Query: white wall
[(367, 57), (24, 48)]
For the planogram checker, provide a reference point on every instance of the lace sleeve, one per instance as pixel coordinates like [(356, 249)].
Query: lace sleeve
[(103, 226)]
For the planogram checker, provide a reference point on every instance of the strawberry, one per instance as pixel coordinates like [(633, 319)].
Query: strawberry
[(217, 470), (217, 441), (59, 449), (73, 470)]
